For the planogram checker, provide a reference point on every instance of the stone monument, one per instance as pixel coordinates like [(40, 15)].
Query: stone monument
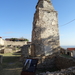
[(45, 34)]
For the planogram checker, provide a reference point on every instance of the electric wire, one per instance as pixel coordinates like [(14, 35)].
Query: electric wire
[(67, 23)]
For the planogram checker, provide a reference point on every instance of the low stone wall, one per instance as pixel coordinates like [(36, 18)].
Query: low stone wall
[(69, 71), (63, 65), (64, 62), (25, 52), (7, 50), (52, 61), (15, 43), (46, 62)]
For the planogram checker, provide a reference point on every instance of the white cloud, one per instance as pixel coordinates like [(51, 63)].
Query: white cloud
[(9, 32)]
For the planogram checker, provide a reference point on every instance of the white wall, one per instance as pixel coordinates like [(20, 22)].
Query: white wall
[(73, 53), (1, 41)]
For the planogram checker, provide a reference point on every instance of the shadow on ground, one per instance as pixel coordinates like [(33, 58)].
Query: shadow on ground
[(17, 53), (11, 65)]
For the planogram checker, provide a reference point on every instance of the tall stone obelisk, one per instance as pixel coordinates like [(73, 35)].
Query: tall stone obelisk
[(45, 35)]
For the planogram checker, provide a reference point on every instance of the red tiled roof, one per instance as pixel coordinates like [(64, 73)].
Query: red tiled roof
[(70, 49)]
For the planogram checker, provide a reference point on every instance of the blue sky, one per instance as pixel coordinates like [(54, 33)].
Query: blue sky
[(16, 17)]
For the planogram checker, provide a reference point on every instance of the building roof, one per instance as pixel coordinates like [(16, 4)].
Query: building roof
[(70, 49)]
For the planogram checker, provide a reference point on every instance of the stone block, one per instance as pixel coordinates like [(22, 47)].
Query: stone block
[(7, 50)]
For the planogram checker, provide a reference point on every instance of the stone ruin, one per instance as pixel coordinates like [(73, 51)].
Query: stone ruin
[(45, 42), (45, 35), (10, 49), (64, 66)]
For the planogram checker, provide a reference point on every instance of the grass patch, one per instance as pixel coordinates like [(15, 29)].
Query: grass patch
[(67, 56), (11, 64), (11, 60), (11, 54)]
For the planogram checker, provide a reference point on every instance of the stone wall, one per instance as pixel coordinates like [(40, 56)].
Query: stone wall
[(69, 71), (15, 43), (64, 66), (59, 62), (25, 52), (8, 50), (64, 62), (46, 62)]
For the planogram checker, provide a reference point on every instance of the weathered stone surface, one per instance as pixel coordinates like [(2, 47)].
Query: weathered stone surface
[(64, 62), (1, 58), (32, 50), (8, 51), (65, 72), (25, 50), (45, 36), (46, 62), (6, 43)]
